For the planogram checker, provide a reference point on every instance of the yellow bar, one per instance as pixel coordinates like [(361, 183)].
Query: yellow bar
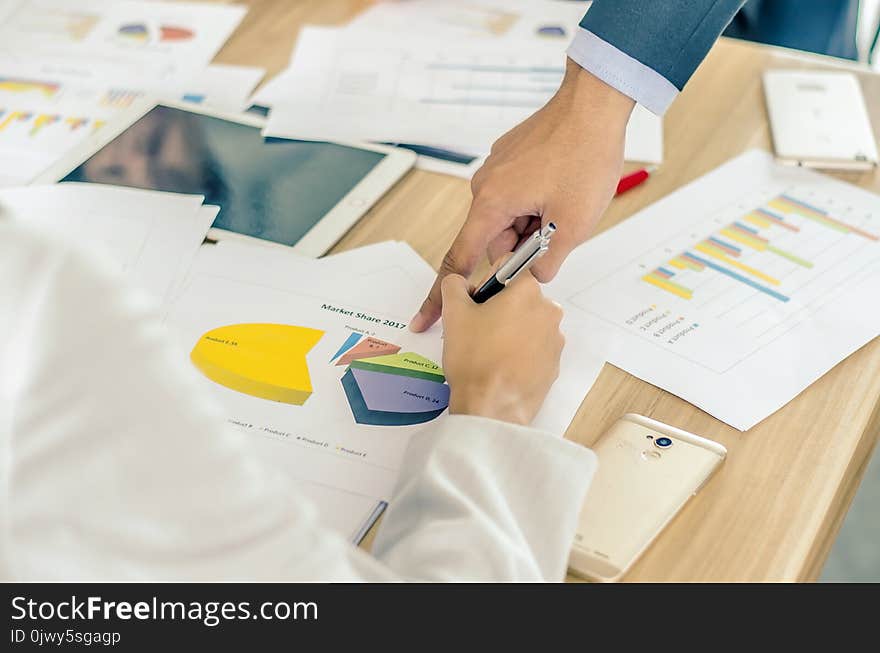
[(674, 288), (757, 220), (13, 115), (715, 253), (754, 243), (678, 264), (780, 205)]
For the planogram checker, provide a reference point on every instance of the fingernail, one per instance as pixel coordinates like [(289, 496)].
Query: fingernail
[(417, 323)]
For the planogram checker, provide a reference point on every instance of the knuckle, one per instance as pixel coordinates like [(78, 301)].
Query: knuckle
[(450, 264)]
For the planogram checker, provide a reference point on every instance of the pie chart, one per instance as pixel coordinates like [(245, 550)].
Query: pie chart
[(172, 33), (356, 346), (261, 360), (399, 389), (134, 32)]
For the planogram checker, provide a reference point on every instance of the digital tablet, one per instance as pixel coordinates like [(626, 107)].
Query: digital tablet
[(297, 194)]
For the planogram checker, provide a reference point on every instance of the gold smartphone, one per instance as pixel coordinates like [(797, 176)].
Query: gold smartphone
[(647, 472)]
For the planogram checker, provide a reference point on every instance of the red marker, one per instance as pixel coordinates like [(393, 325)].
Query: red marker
[(633, 179)]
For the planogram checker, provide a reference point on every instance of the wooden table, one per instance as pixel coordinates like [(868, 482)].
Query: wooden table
[(774, 509)]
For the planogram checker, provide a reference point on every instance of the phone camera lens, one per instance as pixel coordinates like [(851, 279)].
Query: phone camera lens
[(663, 443)]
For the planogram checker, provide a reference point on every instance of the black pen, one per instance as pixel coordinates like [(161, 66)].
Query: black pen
[(522, 259)]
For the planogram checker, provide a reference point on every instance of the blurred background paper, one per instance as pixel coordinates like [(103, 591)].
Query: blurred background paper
[(346, 84)]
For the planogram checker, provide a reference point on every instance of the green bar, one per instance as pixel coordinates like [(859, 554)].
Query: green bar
[(363, 364), (828, 223), (789, 256)]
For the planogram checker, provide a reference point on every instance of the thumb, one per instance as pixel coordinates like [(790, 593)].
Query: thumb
[(456, 294), (564, 241), (462, 258)]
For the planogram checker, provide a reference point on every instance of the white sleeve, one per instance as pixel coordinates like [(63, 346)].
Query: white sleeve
[(120, 467), (622, 72)]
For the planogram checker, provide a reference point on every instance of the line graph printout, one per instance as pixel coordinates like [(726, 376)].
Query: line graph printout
[(737, 291)]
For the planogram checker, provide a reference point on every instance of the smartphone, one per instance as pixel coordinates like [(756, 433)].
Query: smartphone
[(647, 472)]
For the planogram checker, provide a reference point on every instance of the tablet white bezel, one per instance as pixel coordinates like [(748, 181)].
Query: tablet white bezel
[(321, 237)]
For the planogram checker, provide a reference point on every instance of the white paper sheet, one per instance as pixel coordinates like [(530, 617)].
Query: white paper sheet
[(351, 85), (350, 515), (726, 295), (117, 41), (220, 86), (42, 117), (362, 274), (461, 19), (318, 441), (492, 19), (148, 237)]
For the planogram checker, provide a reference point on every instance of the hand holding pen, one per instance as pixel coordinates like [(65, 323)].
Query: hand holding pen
[(529, 251)]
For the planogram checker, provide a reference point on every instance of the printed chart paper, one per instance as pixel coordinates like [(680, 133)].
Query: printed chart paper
[(310, 417), (126, 39), (737, 291), (347, 85)]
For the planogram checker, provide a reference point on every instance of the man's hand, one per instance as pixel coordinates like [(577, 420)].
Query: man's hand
[(501, 357), (560, 165)]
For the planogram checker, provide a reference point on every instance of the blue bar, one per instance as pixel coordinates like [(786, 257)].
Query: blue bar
[(665, 271), (751, 230), (348, 344), (803, 204), (769, 213), (739, 277), (723, 244)]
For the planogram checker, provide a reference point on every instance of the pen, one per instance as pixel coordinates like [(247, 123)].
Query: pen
[(633, 179), (522, 259)]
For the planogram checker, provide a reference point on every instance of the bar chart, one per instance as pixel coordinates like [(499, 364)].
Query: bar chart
[(743, 274), (736, 291), (722, 252)]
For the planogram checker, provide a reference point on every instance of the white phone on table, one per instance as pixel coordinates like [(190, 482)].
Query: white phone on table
[(647, 472), (819, 120)]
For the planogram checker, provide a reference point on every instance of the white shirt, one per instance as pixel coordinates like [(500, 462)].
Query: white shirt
[(116, 466)]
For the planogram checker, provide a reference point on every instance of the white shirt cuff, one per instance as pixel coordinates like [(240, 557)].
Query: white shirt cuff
[(616, 68)]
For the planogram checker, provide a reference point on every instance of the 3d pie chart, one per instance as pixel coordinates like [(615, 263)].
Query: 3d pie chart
[(390, 389), (261, 360), (140, 33), (136, 32)]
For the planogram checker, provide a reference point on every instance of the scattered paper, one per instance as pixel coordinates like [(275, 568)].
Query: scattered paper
[(349, 85), (469, 19), (66, 71), (126, 39), (218, 86)]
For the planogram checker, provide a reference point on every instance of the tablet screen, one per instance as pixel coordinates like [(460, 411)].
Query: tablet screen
[(274, 190)]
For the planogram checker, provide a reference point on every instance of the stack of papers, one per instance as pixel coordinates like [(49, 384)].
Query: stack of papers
[(66, 69), (391, 76)]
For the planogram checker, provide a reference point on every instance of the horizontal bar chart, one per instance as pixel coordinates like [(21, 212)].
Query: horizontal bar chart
[(737, 250)]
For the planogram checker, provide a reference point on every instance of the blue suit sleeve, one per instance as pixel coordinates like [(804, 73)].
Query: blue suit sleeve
[(672, 37)]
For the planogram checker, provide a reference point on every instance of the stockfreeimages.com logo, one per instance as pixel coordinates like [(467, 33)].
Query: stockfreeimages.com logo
[(208, 613)]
